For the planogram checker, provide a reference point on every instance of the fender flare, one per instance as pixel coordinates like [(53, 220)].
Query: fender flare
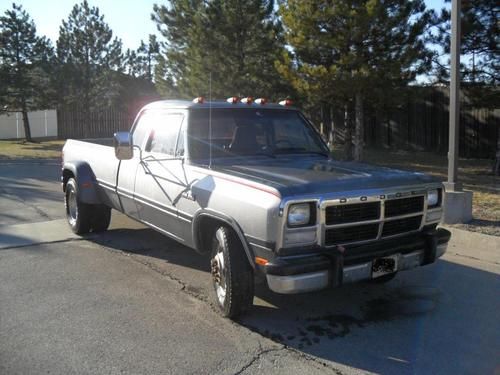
[(230, 222), (85, 179)]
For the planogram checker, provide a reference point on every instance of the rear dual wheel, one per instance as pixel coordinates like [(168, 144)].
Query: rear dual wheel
[(83, 218)]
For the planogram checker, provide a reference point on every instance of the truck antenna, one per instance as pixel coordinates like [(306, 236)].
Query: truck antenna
[(210, 121)]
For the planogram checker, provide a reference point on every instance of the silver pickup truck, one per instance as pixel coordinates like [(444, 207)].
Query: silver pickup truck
[(254, 185)]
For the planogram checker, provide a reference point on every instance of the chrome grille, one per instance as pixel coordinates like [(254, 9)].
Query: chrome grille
[(398, 226), (351, 234), (403, 206), (373, 219), (350, 213)]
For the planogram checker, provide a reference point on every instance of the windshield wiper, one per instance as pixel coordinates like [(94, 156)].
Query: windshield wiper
[(268, 154), (300, 150), (317, 153)]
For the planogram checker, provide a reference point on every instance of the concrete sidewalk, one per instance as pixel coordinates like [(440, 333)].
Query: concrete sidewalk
[(474, 245), (20, 235)]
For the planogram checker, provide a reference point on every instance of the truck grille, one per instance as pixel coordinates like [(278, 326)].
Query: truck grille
[(404, 206), (399, 226), (350, 213), (351, 234), (350, 223)]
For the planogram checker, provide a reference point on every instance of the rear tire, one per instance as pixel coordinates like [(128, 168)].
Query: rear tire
[(232, 275), (101, 216), (77, 213)]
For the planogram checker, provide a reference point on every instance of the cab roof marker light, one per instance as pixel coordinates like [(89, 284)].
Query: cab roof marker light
[(233, 100), (199, 100), (247, 100), (261, 101), (286, 102)]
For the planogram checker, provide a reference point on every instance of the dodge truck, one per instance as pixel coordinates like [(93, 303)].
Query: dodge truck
[(254, 185)]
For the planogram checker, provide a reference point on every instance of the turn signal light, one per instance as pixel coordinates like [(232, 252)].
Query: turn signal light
[(261, 261)]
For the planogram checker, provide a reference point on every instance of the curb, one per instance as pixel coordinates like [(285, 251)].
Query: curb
[(29, 161), (476, 245)]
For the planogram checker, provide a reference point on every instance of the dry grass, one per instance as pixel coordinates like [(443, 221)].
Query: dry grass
[(15, 150), (475, 175)]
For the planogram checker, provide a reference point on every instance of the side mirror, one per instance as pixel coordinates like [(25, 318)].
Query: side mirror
[(122, 142)]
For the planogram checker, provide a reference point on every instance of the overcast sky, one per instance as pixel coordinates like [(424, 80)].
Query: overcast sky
[(130, 20)]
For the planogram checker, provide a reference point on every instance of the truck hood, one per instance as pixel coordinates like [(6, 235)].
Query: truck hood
[(301, 175)]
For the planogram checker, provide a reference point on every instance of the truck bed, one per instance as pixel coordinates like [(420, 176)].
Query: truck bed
[(99, 154)]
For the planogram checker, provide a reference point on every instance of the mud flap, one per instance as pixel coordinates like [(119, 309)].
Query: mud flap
[(431, 242), (337, 268)]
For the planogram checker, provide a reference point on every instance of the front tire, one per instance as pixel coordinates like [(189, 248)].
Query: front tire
[(232, 275)]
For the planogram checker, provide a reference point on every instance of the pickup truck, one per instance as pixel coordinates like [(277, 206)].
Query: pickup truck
[(254, 186)]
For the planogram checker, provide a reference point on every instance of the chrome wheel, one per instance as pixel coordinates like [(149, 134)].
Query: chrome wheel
[(218, 271), (78, 214), (72, 206), (232, 274)]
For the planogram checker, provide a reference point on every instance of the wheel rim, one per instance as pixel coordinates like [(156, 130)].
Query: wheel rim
[(218, 271), (72, 207)]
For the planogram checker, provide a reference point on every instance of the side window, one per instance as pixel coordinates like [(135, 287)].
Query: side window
[(180, 150), (142, 128), (163, 136)]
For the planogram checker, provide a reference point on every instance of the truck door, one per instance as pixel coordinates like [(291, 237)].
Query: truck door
[(127, 169), (159, 180)]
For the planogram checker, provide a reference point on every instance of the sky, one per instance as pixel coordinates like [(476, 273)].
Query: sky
[(130, 20)]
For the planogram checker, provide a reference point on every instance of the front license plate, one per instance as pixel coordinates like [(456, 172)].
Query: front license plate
[(385, 265)]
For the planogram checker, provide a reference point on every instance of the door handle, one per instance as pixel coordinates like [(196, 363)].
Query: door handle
[(145, 165), (189, 195)]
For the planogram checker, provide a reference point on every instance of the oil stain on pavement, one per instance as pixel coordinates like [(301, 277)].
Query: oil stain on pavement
[(304, 331)]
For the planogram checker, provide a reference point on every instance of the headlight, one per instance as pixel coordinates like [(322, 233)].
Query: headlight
[(299, 214), (432, 198)]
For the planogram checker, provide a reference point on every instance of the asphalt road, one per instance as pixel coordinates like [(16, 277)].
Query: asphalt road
[(133, 301)]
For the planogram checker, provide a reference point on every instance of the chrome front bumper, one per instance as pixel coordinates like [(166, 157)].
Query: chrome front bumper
[(307, 282)]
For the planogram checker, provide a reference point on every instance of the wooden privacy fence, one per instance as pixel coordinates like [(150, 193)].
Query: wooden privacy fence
[(422, 123), (419, 123), (74, 122)]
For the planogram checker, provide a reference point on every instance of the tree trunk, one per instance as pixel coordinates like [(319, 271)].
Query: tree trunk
[(359, 131), (347, 134), (496, 164), (26, 122), (331, 132)]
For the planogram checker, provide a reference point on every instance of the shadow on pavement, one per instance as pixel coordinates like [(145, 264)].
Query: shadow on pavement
[(441, 318), (149, 243)]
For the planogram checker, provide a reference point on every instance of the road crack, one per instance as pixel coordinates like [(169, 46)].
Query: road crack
[(37, 209), (257, 357)]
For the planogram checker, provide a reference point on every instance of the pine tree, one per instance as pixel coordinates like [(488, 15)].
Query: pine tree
[(234, 42), (89, 59), (480, 38), (348, 52), (24, 61), (141, 62)]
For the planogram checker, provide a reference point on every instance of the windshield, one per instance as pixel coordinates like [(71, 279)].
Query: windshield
[(251, 131)]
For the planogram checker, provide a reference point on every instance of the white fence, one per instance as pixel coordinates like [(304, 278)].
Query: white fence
[(42, 124)]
